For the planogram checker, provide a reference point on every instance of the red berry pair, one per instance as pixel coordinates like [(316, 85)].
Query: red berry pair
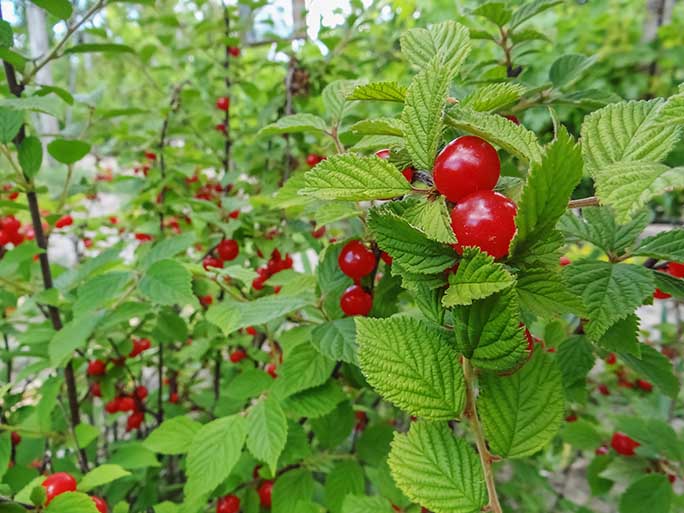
[(356, 261), (228, 504), (139, 345), (97, 368), (64, 221), (227, 250)]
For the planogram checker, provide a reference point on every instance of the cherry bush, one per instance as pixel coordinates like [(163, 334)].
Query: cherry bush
[(417, 309)]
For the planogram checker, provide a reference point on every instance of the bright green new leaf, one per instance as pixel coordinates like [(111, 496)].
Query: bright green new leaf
[(68, 151), (335, 98), (6, 35), (100, 48), (529, 10), (314, 402), (437, 470), (496, 12), (380, 126), (493, 97), (72, 336), (429, 216), (477, 277), (302, 369), (523, 411), (173, 436), (447, 40), (292, 488), (101, 475), (413, 364), (71, 502), (167, 282), (366, 504), (379, 91), (569, 68), (542, 289), (295, 123), (59, 8), (267, 431)]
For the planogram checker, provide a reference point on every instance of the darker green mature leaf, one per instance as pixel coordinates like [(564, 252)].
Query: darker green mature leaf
[(413, 364), (291, 489), (379, 91), (542, 290), (100, 48), (492, 97), (303, 368), (10, 123), (429, 301), (515, 139), (590, 99), (366, 504), (71, 502), (522, 412), (30, 156), (335, 427), (568, 69), (610, 292), (488, 331), (436, 469), (68, 151), (423, 113), (267, 431), (582, 435), (100, 290), (575, 358), (5, 452), (530, 10), (547, 191), (173, 436), (331, 281), (167, 248), (496, 12), (373, 445), (295, 123), (314, 402), (6, 34), (623, 336), (655, 367), (336, 340), (59, 8), (408, 246), (167, 282), (448, 40), (667, 245), (355, 178), (477, 277), (653, 491), (72, 336), (346, 478)]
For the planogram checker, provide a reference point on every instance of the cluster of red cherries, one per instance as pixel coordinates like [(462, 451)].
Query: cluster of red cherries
[(274, 265), (12, 231), (231, 503), (357, 261), (225, 251), (63, 482)]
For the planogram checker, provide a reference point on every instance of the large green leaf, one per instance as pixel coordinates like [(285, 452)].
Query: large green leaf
[(314, 402), (492, 97), (100, 290), (413, 364), (295, 123), (58, 8), (267, 431), (336, 340), (168, 282), (302, 369), (653, 491), (68, 151), (430, 216), (10, 123), (101, 475), (656, 367), (30, 154), (379, 91), (173, 436), (523, 411), (437, 470), (291, 489), (477, 277), (346, 478), (72, 336), (667, 245), (71, 502), (448, 42)]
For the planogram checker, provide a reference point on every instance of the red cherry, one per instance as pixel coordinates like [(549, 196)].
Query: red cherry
[(318, 232), (238, 355), (312, 159), (126, 404), (601, 451), (143, 237), (234, 214), (258, 283), (96, 390), (611, 359), (271, 370), (112, 406), (233, 51), (603, 389), (134, 420), (221, 127), (408, 173), (228, 249), (676, 269), (383, 154), (206, 300), (251, 330), (623, 444), (100, 504), (228, 504), (141, 392), (211, 261), (64, 221), (57, 484), (486, 220), (659, 294), (361, 420), (644, 385), (265, 493), (512, 118), (150, 155), (113, 220), (386, 258), (173, 397), (223, 103), (96, 368), (466, 165), (139, 345), (564, 261), (16, 438), (356, 301), (356, 260), (571, 418), (671, 478)]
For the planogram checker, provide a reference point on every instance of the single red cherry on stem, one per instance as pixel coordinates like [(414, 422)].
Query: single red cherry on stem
[(312, 159), (659, 294), (564, 261), (228, 249), (64, 221), (486, 220), (238, 355), (466, 165), (16, 438), (676, 269), (100, 504), (173, 397), (134, 420), (356, 260), (623, 444), (57, 484), (271, 370), (356, 301), (265, 493), (611, 359), (210, 262), (223, 103), (318, 232), (251, 330), (228, 504), (96, 368), (233, 51), (644, 385), (141, 392)]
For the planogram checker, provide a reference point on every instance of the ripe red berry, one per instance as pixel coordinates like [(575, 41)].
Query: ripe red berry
[(228, 504), (234, 214), (356, 301), (143, 237), (408, 173), (134, 420), (96, 368), (16, 438), (112, 406), (251, 330), (206, 300), (223, 103), (485, 220), (113, 220), (126, 403), (141, 392), (676, 269), (173, 397), (603, 389), (100, 504), (139, 345), (238, 355), (233, 51), (466, 165), (265, 493), (512, 118), (564, 261), (150, 155), (271, 370), (623, 444), (361, 420), (211, 261), (228, 249), (57, 484), (64, 221), (356, 260), (611, 359), (386, 258), (644, 385), (659, 294), (571, 418), (383, 154), (312, 159), (220, 127), (318, 232)]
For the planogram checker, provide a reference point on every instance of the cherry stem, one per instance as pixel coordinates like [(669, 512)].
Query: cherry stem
[(591, 201), (486, 458)]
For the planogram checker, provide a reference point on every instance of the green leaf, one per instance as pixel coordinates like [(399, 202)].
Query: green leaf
[(379, 91), (99, 48), (529, 10), (5, 452), (408, 246), (267, 431), (437, 470), (62, 93), (72, 336), (173, 436), (101, 475), (248, 384), (355, 178), (86, 434), (590, 99), (214, 451), (413, 364), (488, 331), (46, 105), (496, 12), (346, 478), (366, 504), (68, 151), (291, 489), (315, 402), (303, 368), (610, 292), (575, 359), (655, 367), (582, 435), (167, 282), (30, 156), (6, 34), (653, 490), (423, 113), (493, 97), (477, 277), (295, 123), (667, 245), (10, 123), (380, 126), (167, 248), (623, 336), (71, 502), (568, 69), (134, 456), (656, 436), (58, 8), (333, 429), (449, 41), (522, 412), (335, 98), (515, 139), (547, 191), (100, 290), (542, 290), (429, 216), (336, 340)]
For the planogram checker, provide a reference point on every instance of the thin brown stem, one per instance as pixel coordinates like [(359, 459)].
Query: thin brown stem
[(591, 201)]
